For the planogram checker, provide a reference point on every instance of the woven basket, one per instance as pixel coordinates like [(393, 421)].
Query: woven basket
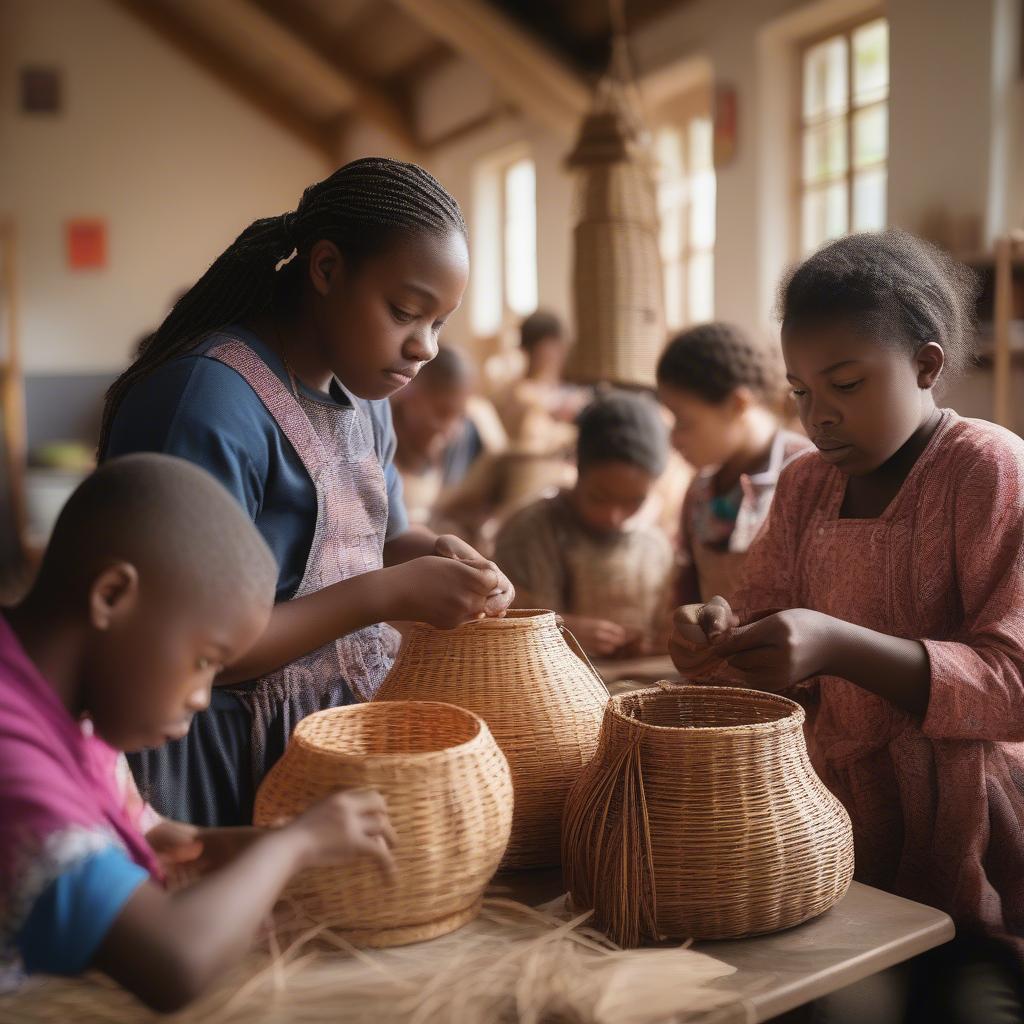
[(617, 268), (449, 795), (543, 702), (701, 816)]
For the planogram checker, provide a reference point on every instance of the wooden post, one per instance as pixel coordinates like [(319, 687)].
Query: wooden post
[(1003, 314), (12, 392)]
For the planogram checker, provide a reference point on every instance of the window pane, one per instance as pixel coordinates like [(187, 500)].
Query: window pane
[(870, 135), (825, 150), (701, 145), (824, 214), (671, 239), (869, 200), (668, 150), (675, 307), (825, 79), (672, 192), (521, 238), (702, 211), (701, 288), (871, 61)]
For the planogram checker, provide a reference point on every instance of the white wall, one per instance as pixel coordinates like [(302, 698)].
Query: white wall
[(176, 164), (952, 123)]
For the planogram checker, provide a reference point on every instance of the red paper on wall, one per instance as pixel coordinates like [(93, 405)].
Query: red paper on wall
[(87, 244)]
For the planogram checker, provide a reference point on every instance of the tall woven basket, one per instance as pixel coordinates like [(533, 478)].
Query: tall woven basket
[(701, 816), (617, 270), (449, 795), (543, 702)]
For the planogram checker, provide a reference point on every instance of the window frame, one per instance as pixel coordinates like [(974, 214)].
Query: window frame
[(846, 30), (489, 228), (679, 113)]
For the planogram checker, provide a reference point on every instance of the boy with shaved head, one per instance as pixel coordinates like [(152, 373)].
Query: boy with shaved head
[(154, 579)]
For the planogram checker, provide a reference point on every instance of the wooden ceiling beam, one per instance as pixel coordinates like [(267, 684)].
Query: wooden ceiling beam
[(366, 99), (540, 84), (244, 46), (320, 137)]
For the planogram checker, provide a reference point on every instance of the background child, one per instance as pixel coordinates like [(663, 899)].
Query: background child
[(538, 409), (443, 430), (724, 389), (890, 577), (153, 580), (271, 372), (577, 552)]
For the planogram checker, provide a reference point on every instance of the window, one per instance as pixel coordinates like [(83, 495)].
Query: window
[(844, 129), (686, 210), (505, 243)]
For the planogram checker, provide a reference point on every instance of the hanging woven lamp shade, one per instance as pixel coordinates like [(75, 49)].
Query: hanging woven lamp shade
[(617, 271)]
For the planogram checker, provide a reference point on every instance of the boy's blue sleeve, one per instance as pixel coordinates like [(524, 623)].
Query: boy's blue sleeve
[(73, 914)]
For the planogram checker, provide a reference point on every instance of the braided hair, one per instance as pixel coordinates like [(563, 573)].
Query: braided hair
[(712, 360), (899, 289), (362, 207)]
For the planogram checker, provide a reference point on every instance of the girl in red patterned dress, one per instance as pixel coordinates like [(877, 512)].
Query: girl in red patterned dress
[(888, 581)]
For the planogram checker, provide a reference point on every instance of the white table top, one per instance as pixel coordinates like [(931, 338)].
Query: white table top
[(866, 932)]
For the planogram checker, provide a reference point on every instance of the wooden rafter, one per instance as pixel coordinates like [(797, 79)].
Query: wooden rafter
[(243, 46), (319, 136), (293, 26), (524, 70)]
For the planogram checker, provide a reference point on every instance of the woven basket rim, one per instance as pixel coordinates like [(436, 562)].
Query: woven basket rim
[(393, 707), (792, 719), (514, 618)]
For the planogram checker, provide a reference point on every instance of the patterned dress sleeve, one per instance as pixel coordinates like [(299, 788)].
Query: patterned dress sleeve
[(977, 677)]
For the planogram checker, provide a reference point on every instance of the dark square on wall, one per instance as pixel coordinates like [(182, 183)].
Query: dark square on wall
[(40, 91)]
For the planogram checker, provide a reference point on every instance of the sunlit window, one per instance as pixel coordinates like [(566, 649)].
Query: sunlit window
[(504, 243), (686, 209), (844, 133)]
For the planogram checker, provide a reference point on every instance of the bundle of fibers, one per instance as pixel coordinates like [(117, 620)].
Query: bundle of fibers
[(513, 964)]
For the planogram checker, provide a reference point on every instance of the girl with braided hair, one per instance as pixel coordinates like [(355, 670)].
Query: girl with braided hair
[(887, 585), (723, 388), (273, 373)]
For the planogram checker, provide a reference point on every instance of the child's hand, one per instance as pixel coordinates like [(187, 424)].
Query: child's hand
[(446, 592), (345, 825), (175, 843), (693, 626), (598, 637), (503, 593), (780, 650)]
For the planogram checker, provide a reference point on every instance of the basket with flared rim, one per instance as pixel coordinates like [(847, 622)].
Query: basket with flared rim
[(449, 795), (528, 679), (701, 816)]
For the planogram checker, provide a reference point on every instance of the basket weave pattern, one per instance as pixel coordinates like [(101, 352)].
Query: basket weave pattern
[(449, 795), (701, 816), (543, 703)]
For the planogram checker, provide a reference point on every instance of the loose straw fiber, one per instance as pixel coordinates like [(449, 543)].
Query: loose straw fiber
[(701, 816), (449, 795), (543, 703), (513, 964)]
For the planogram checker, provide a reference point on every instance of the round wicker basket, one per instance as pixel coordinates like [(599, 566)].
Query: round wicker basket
[(543, 702), (449, 795), (701, 816)]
